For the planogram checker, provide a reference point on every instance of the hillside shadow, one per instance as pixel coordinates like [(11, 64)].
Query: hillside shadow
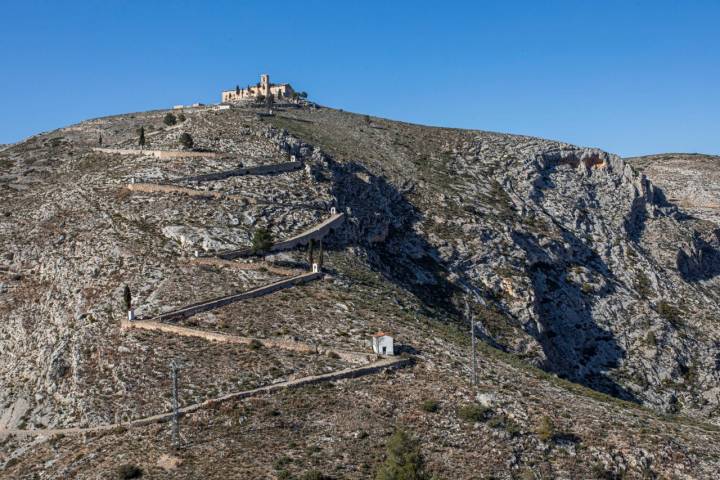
[(703, 261), (387, 235), (381, 220), (576, 347)]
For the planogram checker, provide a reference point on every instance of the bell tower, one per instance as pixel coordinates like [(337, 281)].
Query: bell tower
[(265, 84)]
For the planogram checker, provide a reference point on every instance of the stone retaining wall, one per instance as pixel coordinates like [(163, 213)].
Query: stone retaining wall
[(220, 302), (238, 172), (353, 357), (157, 153), (379, 366), (317, 232)]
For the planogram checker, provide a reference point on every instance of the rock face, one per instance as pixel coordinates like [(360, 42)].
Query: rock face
[(691, 181), (570, 258), (583, 265)]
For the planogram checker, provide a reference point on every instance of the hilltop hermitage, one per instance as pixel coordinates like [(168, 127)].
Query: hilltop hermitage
[(263, 87)]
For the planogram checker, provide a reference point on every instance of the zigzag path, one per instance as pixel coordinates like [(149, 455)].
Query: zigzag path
[(375, 367)]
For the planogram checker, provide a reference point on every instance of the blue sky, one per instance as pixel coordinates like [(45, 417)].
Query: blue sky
[(631, 77)]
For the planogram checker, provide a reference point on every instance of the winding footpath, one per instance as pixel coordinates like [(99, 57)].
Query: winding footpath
[(317, 232), (354, 372)]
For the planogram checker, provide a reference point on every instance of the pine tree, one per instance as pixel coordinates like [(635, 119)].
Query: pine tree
[(141, 140), (403, 461), (262, 240), (186, 140), (127, 298)]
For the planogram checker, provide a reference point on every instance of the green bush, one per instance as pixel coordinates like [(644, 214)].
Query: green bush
[(255, 344), (403, 461), (186, 140), (262, 240), (169, 119), (545, 429), (181, 117), (474, 412), (128, 471), (430, 406)]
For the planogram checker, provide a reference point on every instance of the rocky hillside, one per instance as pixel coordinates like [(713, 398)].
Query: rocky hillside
[(691, 181), (595, 292)]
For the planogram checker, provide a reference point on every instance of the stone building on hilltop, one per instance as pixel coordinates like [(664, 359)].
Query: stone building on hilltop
[(263, 87)]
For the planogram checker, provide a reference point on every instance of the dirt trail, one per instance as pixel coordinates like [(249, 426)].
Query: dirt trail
[(354, 372)]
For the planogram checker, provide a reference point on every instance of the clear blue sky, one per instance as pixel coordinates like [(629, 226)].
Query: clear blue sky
[(631, 77)]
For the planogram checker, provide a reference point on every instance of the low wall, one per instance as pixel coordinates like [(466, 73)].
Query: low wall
[(220, 302), (353, 357), (157, 153), (355, 372), (218, 262), (161, 188), (238, 172), (317, 232)]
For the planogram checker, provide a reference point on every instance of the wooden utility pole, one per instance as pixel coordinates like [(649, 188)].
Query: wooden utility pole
[(471, 317), (175, 407)]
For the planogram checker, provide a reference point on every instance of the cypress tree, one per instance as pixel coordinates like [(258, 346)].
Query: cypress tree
[(320, 254), (127, 298), (141, 140), (311, 252)]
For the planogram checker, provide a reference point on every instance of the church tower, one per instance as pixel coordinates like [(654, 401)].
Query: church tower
[(265, 84)]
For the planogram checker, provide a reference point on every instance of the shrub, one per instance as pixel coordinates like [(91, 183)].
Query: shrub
[(474, 412), (169, 119), (128, 471), (281, 462), (430, 406), (504, 423), (262, 240), (181, 117), (186, 140), (255, 344), (671, 313), (403, 461), (314, 475), (545, 429)]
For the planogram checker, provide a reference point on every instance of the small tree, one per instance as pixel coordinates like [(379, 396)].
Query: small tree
[(127, 298), (269, 100), (100, 140), (367, 119), (186, 140), (237, 90), (169, 119), (403, 461), (303, 94), (141, 140), (262, 240), (311, 252), (181, 117), (260, 99)]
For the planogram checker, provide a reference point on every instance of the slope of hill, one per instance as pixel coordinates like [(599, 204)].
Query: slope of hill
[(691, 181), (571, 262)]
